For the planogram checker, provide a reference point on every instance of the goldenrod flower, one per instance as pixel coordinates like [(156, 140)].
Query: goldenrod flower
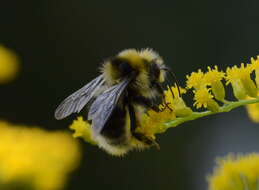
[(82, 129), (195, 80), (9, 65), (239, 172), (241, 82), (36, 158), (203, 98), (213, 77), (255, 66)]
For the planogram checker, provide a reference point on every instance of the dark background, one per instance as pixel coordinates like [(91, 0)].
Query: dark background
[(61, 44)]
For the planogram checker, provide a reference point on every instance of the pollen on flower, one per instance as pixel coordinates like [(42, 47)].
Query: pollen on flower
[(241, 81), (195, 80), (213, 75), (9, 65), (234, 73), (202, 97), (236, 172), (82, 129), (39, 159)]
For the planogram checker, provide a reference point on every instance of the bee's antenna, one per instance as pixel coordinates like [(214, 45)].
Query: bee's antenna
[(168, 86), (174, 77)]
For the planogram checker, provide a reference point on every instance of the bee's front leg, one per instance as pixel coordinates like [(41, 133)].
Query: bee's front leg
[(146, 102)]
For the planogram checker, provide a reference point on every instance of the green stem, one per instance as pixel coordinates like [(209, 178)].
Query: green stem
[(195, 115)]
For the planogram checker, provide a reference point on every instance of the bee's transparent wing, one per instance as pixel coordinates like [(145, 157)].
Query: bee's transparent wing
[(103, 106), (76, 101)]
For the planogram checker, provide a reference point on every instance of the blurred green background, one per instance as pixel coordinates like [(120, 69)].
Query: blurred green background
[(62, 43)]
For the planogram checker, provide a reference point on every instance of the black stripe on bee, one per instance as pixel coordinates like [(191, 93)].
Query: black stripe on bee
[(114, 128)]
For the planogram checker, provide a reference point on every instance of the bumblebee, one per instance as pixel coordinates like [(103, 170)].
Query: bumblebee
[(130, 83)]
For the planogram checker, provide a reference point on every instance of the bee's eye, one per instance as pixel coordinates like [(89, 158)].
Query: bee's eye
[(154, 71)]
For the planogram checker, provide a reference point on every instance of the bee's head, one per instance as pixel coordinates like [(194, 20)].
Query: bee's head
[(146, 65)]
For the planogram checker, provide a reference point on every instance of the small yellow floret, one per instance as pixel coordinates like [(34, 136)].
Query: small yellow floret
[(213, 75), (195, 80), (241, 81), (203, 98), (9, 65), (82, 129), (235, 73), (236, 173)]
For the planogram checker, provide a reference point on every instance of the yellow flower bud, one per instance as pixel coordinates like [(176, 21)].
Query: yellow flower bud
[(203, 98), (213, 106), (180, 108), (218, 90), (249, 87), (239, 90)]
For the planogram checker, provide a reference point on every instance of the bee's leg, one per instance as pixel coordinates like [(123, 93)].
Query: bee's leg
[(133, 120), (148, 141), (146, 102), (161, 91), (139, 136), (166, 105)]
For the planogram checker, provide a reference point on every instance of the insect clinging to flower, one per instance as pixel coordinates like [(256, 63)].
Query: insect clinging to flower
[(130, 83)]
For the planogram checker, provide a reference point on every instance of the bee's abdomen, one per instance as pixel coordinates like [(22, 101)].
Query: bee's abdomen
[(115, 128)]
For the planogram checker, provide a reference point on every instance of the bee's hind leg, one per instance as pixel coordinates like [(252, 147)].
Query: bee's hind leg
[(139, 136), (147, 140)]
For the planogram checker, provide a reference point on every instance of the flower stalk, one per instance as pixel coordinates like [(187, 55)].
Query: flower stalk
[(195, 115)]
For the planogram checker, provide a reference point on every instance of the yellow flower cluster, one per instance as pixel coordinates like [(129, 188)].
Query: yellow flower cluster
[(241, 81), (207, 87), (236, 173), (34, 158), (209, 90), (9, 65)]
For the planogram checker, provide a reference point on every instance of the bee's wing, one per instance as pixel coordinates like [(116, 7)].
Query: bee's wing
[(103, 106), (76, 101)]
